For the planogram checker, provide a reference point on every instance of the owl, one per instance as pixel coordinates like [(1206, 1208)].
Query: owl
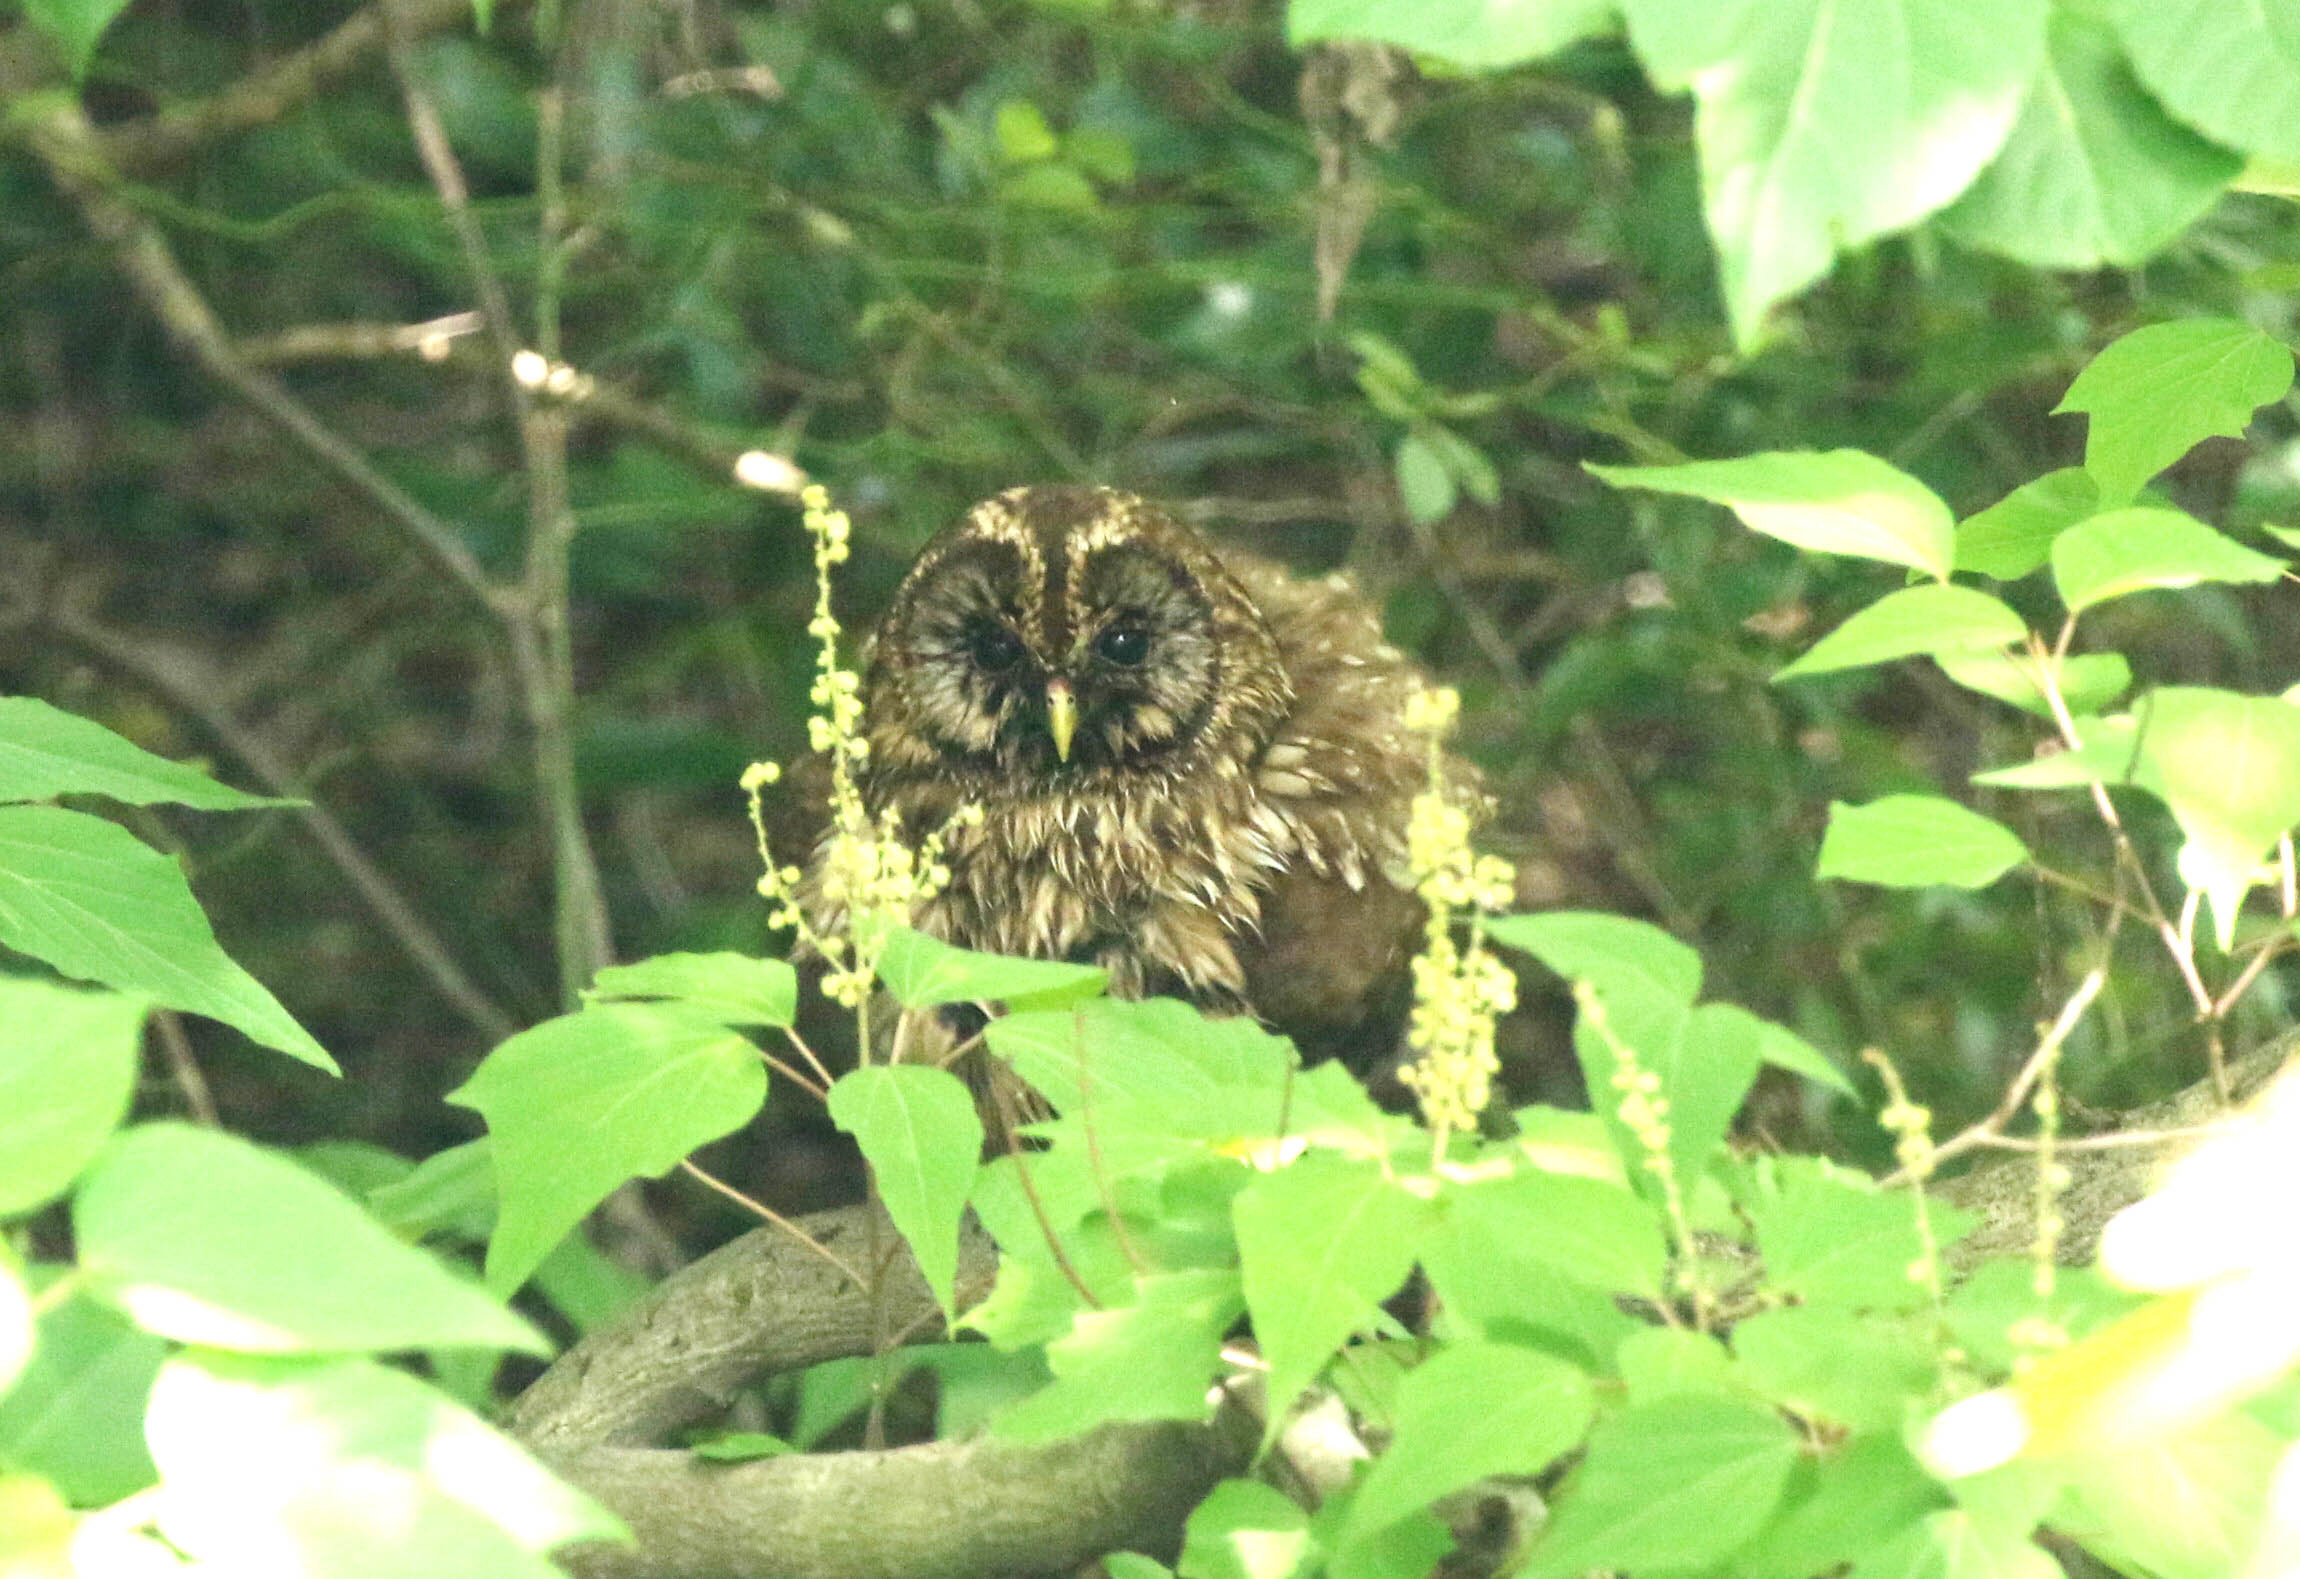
[(1193, 769)]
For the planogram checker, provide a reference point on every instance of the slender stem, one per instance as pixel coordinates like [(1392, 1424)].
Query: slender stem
[(687, 1165), (185, 1069)]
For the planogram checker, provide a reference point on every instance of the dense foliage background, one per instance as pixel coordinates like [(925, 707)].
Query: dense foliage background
[(263, 266)]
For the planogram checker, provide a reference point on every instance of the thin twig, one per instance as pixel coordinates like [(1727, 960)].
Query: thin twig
[(185, 1068), (687, 1165)]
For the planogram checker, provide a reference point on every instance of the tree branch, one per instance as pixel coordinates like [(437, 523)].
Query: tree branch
[(943, 1510)]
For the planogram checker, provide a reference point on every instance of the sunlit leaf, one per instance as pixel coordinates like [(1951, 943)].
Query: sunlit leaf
[(1917, 841), (923, 972), (89, 898), (2127, 551), (2014, 536), (1151, 1360), (2087, 682), (46, 752), (76, 1415), (577, 1105), (1834, 502), (2155, 393), (1922, 619), (2231, 71), (734, 988), (1245, 1530), (919, 1132), (207, 1239), (68, 1062)]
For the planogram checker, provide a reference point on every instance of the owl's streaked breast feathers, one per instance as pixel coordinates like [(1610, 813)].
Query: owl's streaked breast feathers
[(1193, 768)]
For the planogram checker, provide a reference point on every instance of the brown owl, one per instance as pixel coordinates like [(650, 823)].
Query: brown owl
[(1193, 768)]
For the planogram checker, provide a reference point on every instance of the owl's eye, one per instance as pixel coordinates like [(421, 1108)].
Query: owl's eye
[(995, 649), (1124, 645)]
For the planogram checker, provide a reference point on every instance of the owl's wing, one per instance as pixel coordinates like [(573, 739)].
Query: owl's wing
[(1328, 966)]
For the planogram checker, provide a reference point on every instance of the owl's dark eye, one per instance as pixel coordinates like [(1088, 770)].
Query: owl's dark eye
[(1124, 645), (995, 649)]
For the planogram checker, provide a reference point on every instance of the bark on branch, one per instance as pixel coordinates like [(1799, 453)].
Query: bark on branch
[(944, 1510)]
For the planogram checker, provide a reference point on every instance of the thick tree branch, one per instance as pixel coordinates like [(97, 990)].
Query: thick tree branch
[(944, 1510)]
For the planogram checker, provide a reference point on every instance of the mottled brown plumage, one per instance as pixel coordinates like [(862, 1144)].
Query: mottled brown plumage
[(1193, 768)]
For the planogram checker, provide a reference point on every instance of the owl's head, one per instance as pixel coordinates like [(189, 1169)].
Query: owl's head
[(1064, 634)]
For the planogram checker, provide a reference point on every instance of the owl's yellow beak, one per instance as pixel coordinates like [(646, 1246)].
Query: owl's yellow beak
[(1061, 716)]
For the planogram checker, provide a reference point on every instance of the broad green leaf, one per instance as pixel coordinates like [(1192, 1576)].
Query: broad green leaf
[(77, 1413), (1833, 1238), (1424, 483), (1023, 135), (1673, 1484), (46, 752), (206, 1239), (1917, 841), (1594, 1233), (76, 26), (1151, 1360), (2013, 537), (924, 972), (577, 1105), (1320, 1243), (1160, 1059), (1921, 619), (39, 1538), (1952, 1544), (1469, 1411), (735, 989), (2152, 395), (1245, 1530), (1133, 1565), (1495, 1287), (1785, 1049), (2229, 767), (1825, 123), (87, 897), (1846, 1501), (450, 1192), (68, 1063), (1826, 1366), (919, 1132), (2133, 550), (2094, 172), (1669, 1362), (2230, 71), (2108, 752), (1626, 957), (1833, 501), (1477, 35), (2087, 682), (346, 1469)]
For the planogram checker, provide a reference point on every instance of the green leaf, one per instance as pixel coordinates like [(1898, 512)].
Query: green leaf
[(924, 972), (46, 752), (1320, 1243), (2108, 752), (76, 26), (2013, 537), (1785, 1049), (68, 1062), (1833, 1238), (2229, 768), (734, 989), (345, 1467), (16, 1324), (1424, 482), (2087, 682), (1922, 619), (1023, 135), (1825, 123), (76, 1415), (206, 1239), (1826, 1366), (1469, 1411), (1133, 1565), (1670, 1362), (741, 1447), (2133, 550), (2094, 172), (87, 897), (577, 1105), (1673, 1484), (1917, 841), (1060, 187), (1477, 35), (2155, 393), (1848, 1500), (37, 1534), (1585, 1229), (1160, 1060), (1954, 1545), (1834, 501), (1245, 1530), (450, 1192), (2230, 71), (1628, 958), (919, 1132), (1151, 1360)]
